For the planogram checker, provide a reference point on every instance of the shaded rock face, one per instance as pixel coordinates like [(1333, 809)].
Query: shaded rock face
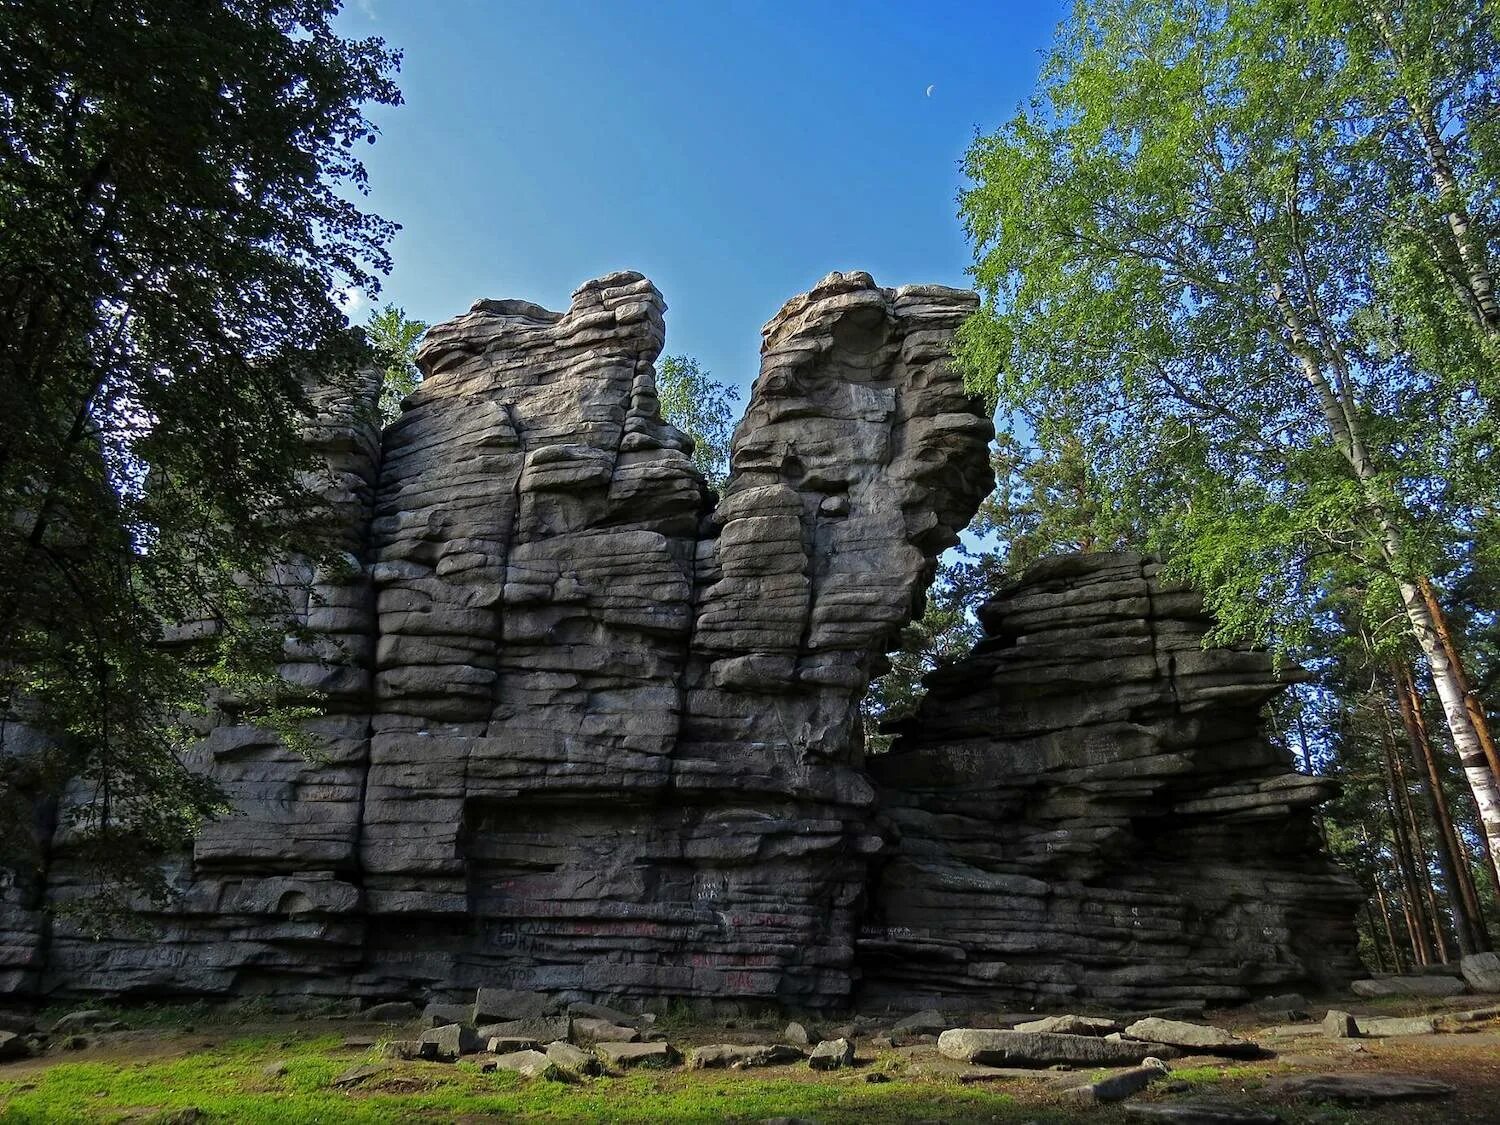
[(585, 730), (1085, 809)]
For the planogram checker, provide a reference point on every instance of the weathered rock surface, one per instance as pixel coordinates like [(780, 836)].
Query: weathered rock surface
[(585, 731), (1073, 1025), (626, 1055), (1377, 987), (1086, 809), (1121, 1085), (741, 1055), (1030, 1048), (1198, 1039), (1360, 1088), (831, 1054), (1482, 971)]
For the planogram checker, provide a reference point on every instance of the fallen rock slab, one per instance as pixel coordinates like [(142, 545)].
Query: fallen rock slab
[(832, 1054), (1359, 1088), (449, 1042), (607, 1014), (1481, 971), (719, 1055), (796, 1034), (588, 1030), (509, 1044), (930, 1022), (1198, 1113), (543, 1029), (1378, 1027), (499, 1005), (572, 1059), (1117, 1087), (636, 1054), (1377, 987), (1195, 1038), (1072, 1025), (79, 1021), (13, 1046), (1030, 1048), (1340, 1025), (528, 1064)]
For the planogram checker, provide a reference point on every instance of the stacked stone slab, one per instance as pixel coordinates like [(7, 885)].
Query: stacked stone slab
[(1085, 808), (584, 731)]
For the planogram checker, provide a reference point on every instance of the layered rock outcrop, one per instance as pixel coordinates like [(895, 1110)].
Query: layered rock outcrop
[(584, 730), (1085, 808)]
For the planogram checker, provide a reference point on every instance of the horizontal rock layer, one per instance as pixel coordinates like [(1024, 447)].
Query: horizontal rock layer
[(1085, 808)]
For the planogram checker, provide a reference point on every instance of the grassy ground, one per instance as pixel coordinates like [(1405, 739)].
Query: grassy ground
[(182, 1067)]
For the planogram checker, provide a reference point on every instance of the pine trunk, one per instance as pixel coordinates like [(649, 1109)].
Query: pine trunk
[(1467, 914)]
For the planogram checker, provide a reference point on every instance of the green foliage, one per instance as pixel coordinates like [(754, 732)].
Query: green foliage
[(394, 339), (946, 631), (701, 408), (175, 192), (1182, 246)]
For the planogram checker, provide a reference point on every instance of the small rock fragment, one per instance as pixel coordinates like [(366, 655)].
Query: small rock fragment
[(529, 1064), (451, 1041), (1340, 1025), (796, 1035), (832, 1054), (571, 1059)]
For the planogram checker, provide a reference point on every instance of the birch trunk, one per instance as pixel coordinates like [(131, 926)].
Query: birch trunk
[(1338, 409)]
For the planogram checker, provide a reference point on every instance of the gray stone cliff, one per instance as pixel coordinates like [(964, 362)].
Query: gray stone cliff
[(1086, 808), (587, 728)]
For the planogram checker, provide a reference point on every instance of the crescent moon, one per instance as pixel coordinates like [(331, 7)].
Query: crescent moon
[(930, 89)]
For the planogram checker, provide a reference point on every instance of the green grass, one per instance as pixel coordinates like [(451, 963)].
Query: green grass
[(228, 1083)]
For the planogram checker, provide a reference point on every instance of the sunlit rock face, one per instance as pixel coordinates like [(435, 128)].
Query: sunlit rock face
[(1086, 809), (588, 728)]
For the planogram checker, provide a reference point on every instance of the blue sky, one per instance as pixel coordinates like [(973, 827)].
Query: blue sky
[(733, 152)]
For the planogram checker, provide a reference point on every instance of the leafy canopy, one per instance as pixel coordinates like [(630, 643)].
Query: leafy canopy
[(179, 186)]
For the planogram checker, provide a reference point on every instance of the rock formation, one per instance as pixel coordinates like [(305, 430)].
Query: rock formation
[(586, 728), (1085, 809)]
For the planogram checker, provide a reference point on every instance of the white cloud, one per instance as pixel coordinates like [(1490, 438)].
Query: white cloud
[(351, 301)]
